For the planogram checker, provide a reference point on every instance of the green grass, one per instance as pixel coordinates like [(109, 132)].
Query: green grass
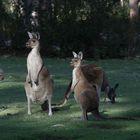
[(65, 124)]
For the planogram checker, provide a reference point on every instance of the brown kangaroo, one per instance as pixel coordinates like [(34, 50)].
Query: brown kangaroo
[(39, 83), (85, 93), (1, 75), (95, 75)]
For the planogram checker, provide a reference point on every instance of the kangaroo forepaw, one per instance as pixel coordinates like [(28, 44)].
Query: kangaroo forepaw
[(36, 82), (30, 82)]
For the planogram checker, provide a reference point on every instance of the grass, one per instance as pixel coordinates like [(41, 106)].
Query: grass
[(15, 124)]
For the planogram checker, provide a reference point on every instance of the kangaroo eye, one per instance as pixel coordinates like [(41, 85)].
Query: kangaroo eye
[(33, 41)]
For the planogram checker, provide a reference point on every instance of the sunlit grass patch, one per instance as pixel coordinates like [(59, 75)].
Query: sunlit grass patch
[(11, 109), (7, 85)]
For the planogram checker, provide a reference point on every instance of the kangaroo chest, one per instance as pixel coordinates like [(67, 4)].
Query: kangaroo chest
[(34, 63), (77, 82), (80, 84)]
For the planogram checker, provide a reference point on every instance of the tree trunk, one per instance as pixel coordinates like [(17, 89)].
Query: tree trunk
[(122, 3), (50, 10), (134, 9), (134, 12)]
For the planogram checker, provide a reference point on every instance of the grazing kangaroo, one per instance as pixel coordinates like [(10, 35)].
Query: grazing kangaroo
[(39, 83), (1, 74), (95, 75), (85, 93), (110, 92)]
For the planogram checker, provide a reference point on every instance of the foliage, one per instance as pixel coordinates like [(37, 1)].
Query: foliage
[(99, 28)]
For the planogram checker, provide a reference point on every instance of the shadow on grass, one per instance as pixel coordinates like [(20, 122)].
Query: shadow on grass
[(48, 137), (12, 95)]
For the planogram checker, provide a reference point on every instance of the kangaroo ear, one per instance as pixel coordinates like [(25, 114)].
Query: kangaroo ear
[(116, 86), (74, 54), (38, 35), (35, 35), (80, 55), (30, 35)]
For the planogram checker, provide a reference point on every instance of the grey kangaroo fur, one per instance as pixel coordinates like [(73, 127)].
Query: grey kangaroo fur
[(39, 82)]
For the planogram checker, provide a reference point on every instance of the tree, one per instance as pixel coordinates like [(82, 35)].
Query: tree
[(122, 3), (134, 9), (134, 13)]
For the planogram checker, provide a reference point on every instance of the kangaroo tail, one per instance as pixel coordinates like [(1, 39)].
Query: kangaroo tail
[(61, 104)]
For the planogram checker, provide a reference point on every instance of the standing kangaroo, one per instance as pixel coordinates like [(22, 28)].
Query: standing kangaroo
[(39, 83), (85, 93), (95, 75)]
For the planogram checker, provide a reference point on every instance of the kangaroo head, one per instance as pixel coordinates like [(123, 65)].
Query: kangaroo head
[(112, 93), (1, 77), (1, 74), (76, 61), (33, 40)]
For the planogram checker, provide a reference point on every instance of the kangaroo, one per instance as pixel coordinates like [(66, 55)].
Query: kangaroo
[(1, 75), (110, 92), (95, 75), (85, 93), (39, 83)]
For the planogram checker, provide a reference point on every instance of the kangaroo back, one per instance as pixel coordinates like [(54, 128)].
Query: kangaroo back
[(93, 74)]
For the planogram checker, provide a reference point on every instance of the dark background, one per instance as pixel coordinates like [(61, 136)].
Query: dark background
[(100, 28)]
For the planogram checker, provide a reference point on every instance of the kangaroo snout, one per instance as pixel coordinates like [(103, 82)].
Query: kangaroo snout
[(1, 77), (71, 63), (28, 45), (113, 100)]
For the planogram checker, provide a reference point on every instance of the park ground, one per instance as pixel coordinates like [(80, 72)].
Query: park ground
[(65, 124)]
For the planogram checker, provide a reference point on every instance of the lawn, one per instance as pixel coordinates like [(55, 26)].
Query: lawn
[(65, 124)]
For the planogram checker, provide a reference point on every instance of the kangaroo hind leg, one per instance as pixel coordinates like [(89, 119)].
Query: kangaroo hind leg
[(49, 103)]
